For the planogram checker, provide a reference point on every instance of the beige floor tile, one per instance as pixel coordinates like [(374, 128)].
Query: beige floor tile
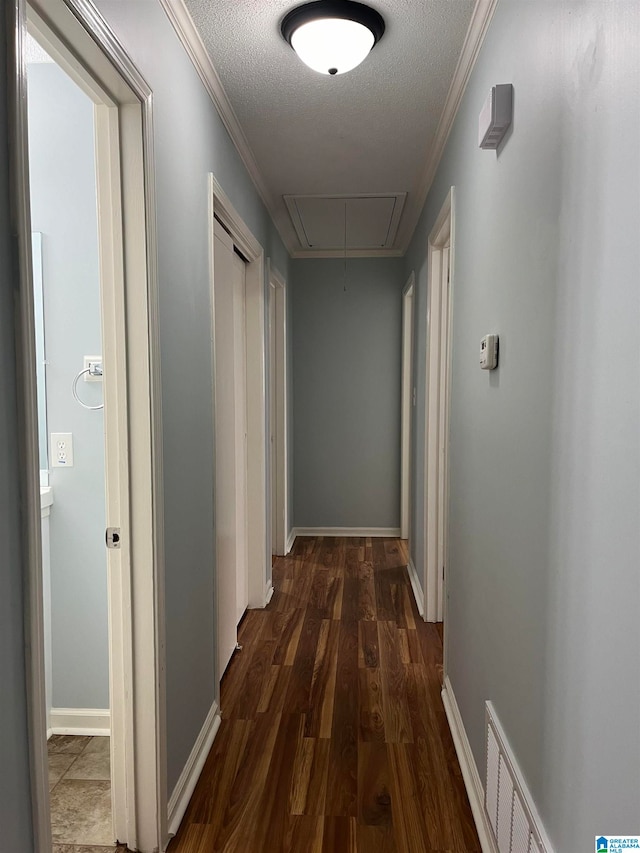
[(59, 763), (98, 744), (67, 743), (90, 765), (83, 848), (81, 813)]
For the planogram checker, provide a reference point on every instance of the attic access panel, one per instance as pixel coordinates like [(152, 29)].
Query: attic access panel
[(371, 220)]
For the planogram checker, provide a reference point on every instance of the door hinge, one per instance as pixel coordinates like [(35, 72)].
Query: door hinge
[(112, 537)]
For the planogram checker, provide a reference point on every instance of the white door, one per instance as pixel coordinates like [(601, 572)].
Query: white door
[(273, 380), (230, 450), (407, 404), (443, 429)]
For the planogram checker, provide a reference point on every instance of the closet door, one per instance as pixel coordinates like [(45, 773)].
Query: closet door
[(230, 437)]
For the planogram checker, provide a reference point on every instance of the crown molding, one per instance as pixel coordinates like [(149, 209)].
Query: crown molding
[(478, 26), (191, 40)]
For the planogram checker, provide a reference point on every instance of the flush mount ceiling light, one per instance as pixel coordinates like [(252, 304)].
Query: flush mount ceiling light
[(332, 36)]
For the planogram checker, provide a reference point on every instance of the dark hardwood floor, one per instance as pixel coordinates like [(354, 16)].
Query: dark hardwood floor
[(333, 735)]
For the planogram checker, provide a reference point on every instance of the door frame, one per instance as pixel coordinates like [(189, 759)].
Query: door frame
[(438, 377), (408, 316), (278, 395), (258, 548), (82, 42)]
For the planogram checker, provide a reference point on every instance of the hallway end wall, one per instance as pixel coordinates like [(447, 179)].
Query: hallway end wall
[(544, 542), (346, 392)]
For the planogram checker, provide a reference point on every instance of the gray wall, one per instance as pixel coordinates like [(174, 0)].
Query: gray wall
[(544, 588), (63, 208), (346, 391), (15, 806), (190, 142)]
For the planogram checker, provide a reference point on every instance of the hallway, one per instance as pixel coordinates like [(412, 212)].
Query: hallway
[(333, 735)]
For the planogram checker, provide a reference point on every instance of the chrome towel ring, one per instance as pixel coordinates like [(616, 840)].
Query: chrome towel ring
[(74, 388)]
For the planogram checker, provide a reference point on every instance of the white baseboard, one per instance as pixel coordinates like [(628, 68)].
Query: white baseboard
[(186, 784), (268, 594), (418, 594), (347, 531), (475, 789), (86, 722), (291, 538)]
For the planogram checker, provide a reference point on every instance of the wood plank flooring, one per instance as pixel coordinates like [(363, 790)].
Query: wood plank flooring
[(333, 735)]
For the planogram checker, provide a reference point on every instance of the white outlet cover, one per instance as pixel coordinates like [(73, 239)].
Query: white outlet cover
[(61, 450)]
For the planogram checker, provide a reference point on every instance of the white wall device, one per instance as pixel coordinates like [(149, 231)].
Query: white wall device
[(61, 450), (489, 352), (496, 116)]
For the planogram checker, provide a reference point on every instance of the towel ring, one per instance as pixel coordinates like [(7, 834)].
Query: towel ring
[(74, 391)]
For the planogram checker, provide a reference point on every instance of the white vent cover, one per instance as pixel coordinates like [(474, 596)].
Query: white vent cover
[(512, 814), (369, 221)]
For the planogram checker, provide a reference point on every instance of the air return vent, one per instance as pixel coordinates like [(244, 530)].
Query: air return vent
[(513, 817)]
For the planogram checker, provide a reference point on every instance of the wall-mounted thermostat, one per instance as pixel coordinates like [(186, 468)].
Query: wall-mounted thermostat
[(489, 352), (496, 115)]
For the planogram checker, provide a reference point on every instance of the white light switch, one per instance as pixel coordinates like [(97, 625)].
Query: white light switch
[(61, 450)]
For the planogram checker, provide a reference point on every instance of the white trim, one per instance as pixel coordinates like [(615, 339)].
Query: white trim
[(406, 405), (278, 388), (437, 375), (186, 784), (415, 586), (470, 775), (258, 550), (191, 40), (268, 593), (291, 538), (478, 26), (80, 721), (388, 532)]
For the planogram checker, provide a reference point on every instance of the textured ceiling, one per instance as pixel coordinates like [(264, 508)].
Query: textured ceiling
[(368, 131)]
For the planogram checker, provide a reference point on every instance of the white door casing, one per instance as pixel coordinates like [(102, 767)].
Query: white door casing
[(230, 446), (407, 404), (79, 39), (438, 368), (278, 410)]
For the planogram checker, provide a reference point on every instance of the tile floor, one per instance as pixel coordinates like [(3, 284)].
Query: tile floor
[(80, 786)]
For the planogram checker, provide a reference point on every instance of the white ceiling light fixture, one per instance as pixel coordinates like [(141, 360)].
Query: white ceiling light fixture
[(332, 36)]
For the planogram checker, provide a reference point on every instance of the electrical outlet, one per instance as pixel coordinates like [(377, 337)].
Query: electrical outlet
[(61, 450)]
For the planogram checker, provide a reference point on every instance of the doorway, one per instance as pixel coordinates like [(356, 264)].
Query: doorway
[(440, 266), (278, 411), (67, 301), (122, 370)]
